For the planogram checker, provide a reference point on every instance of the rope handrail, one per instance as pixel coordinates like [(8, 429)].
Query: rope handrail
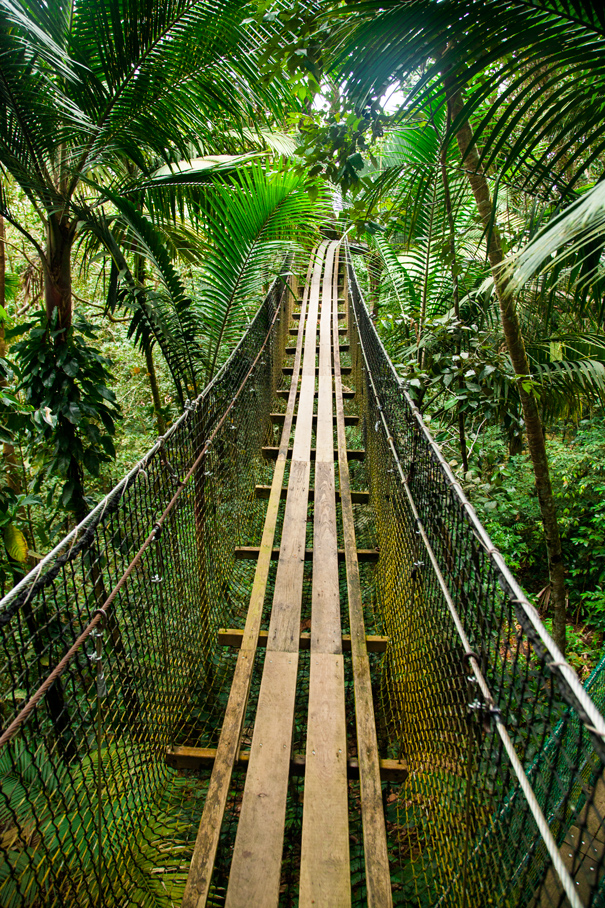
[(96, 513)]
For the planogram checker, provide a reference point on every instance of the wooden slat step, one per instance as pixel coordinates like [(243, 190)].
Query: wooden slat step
[(344, 348), (340, 315), (271, 452), (285, 392), (278, 419), (345, 370), (232, 636), (251, 552), (341, 331), (356, 497), (179, 757)]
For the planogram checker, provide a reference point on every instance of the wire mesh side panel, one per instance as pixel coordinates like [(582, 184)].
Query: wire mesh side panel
[(465, 832), (90, 814)]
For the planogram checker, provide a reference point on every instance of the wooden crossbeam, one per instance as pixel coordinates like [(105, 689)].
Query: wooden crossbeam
[(345, 370), (347, 393), (342, 331), (278, 419), (205, 757), (251, 552), (271, 452), (341, 315), (232, 636), (358, 497), (344, 348)]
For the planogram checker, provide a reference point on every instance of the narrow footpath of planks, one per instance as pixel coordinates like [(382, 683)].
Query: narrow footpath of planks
[(325, 874)]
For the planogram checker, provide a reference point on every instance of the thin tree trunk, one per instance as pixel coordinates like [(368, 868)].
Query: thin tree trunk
[(2, 264), (375, 277), (57, 276), (425, 283), (516, 348), (139, 275), (153, 383), (455, 288), (13, 479)]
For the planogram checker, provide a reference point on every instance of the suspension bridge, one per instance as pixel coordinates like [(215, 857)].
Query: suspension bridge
[(283, 664)]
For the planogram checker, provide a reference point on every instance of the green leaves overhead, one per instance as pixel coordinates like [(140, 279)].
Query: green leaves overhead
[(251, 224), (576, 233), (248, 222), (546, 58), (86, 87)]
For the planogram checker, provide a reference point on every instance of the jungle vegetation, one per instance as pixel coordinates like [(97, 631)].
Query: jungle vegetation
[(157, 161)]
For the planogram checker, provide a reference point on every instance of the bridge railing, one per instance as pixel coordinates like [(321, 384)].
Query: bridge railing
[(109, 653), (505, 797)]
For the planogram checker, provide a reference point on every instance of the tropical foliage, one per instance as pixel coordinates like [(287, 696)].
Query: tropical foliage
[(497, 121), (160, 162)]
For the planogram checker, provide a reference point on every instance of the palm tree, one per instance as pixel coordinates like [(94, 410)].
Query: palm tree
[(96, 93)]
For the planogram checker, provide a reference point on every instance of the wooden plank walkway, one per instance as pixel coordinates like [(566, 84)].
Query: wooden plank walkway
[(256, 866)]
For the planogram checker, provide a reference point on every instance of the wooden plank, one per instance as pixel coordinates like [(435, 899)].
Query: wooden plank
[(378, 879), (251, 552), (358, 497), (271, 452), (325, 872), (203, 758), (206, 844), (325, 875), (256, 865), (325, 596), (232, 636)]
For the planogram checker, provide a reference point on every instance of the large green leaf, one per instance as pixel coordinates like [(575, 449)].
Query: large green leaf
[(15, 542)]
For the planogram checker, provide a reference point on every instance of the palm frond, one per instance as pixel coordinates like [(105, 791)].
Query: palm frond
[(251, 222), (546, 56), (564, 237)]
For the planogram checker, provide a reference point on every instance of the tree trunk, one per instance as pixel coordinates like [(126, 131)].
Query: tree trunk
[(516, 348), (455, 288), (375, 279), (139, 276), (153, 382), (2, 264), (57, 275)]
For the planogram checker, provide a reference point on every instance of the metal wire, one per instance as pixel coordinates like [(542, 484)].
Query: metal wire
[(504, 798)]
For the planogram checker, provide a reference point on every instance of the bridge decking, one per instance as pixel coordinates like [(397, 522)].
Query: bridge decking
[(256, 864)]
